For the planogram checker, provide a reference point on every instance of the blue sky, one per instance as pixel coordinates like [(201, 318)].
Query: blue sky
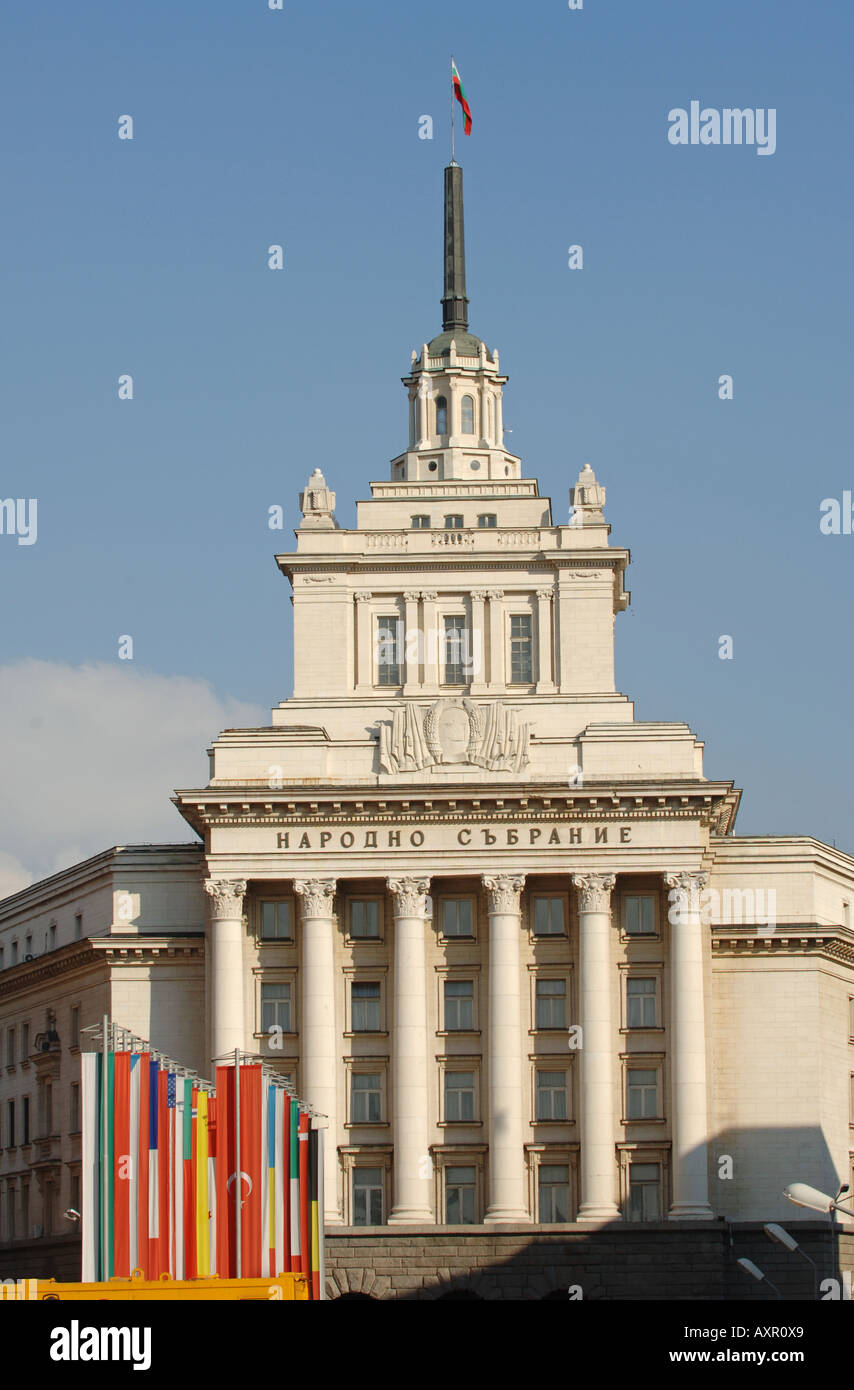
[(300, 127)]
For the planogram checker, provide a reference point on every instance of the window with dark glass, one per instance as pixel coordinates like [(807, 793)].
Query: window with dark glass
[(453, 522), (276, 1006), (364, 918), (420, 522), (548, 916), (521, 649), (25, 1121), (455, 650), (487, 519), (441, 415), (459, 1096), (367, 1196), (640, 914), (644, 1192), (456, 917), (460, 1190), (365, 1006), (641, 1094), (388, 650), (641, 1002), (551, 1095), (553, 1184), (551, 1003), (467, 414), (459, 1006), (276, 921), (366, 1098)]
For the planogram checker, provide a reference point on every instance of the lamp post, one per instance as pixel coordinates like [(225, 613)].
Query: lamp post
[(782, 1237), (805, 1196), (756, 1273)]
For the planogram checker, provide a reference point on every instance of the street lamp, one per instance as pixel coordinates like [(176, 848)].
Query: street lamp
[(750, 1268), (805, 1196), (782, 1237)]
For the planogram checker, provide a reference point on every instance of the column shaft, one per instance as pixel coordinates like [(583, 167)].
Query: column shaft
[(596, 1056), (225, 937), (507, 1198), (317, 1025), (412, 1186), (689, 1104)]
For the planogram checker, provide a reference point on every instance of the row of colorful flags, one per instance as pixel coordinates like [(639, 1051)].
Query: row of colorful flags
[(167, 1184)]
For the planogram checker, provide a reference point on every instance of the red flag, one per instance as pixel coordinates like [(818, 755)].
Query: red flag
[(226, 1264), (304, 1196), (461, 97), (122, 1158), (247, 1188)]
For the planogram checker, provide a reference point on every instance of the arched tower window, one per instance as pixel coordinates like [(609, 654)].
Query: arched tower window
[(468, 415), (441, 415)]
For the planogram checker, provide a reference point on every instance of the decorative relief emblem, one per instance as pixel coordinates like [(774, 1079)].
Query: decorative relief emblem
[(453, 732)]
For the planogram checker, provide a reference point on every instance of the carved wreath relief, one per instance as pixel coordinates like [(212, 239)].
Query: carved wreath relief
[(454, 731)]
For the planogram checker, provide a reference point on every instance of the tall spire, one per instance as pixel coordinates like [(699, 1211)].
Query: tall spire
[(454, 300)]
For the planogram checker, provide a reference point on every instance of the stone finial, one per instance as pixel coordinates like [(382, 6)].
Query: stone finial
[(317, 504), (587, 499)]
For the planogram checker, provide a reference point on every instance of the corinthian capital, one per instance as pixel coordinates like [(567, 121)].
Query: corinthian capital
[(409, 895), (594, 891), (685, 889), (316, 894), (503, 890), (226, 895)]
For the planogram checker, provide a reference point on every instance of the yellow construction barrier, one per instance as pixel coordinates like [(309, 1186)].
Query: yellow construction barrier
[(284, 1288)]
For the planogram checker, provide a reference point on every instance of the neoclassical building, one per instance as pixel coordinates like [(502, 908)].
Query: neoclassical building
[(500, 932)]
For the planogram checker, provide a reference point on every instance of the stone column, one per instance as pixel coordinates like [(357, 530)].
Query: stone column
[(364, 642), (225, 938), (412, 1180), (411, 643), (497, 672), (317, 1027), (689, 1101), (499, 419), (545, 676), (431, 641), (598, 1154), (477, 637), (506, 1116)]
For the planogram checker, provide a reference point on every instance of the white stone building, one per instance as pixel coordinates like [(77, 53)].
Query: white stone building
[(499, 931)]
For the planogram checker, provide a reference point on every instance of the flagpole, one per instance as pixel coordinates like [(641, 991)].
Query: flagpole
[(106, 1030), (453, 160), (238, 1190)]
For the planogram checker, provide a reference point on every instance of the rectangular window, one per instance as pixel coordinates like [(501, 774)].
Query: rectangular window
[(51, 945), (78, 925), (10, 1047), (365, 1006), (25, 1042), (28, 946), (459, 1096), (459, 1006), (367, 1196), (47, 1109), (548, 916), (553, 1186), (75, 1107), (75, 1191), (644, 1192), (421, 523), (2, 958), (453, 523), (25, 1121), (551, 1095), (389, 632), (551, 1003), (460, 1193), (10, 1123), (640, 915), (75, 1026), (366, 1106), (521, 650), (14, 958), (365, 918), (641, 1004), (487, 519), (641, 1094), (276, 1007), (276, 921), (455, 650), (456, 917)]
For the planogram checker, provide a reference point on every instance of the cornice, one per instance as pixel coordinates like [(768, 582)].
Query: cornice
[(117, 950), (831, 943)]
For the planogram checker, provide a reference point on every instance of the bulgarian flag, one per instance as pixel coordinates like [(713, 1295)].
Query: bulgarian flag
[(459, 93)]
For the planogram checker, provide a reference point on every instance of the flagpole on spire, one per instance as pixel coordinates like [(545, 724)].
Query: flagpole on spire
[(453, 98)]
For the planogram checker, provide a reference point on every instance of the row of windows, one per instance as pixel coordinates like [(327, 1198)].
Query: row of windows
[(18, 1039), (21, 951), (461, 1190), (456, 650), (460, 1095), (459, 999), (454, 521), (16, 1125), (457, 917)]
